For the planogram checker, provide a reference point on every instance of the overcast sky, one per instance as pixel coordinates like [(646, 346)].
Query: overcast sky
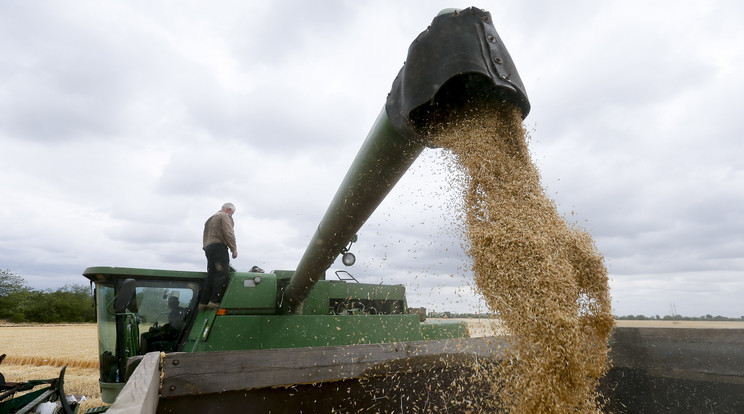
[(124, 125)]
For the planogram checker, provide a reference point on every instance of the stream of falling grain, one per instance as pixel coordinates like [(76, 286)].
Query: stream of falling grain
[(542, 277)]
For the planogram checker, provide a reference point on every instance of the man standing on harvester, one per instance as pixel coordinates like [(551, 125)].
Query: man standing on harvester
[(219, 235)]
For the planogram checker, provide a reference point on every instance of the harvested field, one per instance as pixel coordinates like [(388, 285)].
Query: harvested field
[(53, 345), (681, 324), (39, 352), (480, 327)]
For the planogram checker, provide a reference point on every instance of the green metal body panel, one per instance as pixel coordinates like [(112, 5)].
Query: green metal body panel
[(335, 312), (256, 294), (244, 295), (236, 332), (431, 330)]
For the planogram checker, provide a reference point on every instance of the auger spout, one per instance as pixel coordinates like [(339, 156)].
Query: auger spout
[(459, 59)]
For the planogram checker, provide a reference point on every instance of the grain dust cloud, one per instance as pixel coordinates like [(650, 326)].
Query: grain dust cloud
[(542, 277)]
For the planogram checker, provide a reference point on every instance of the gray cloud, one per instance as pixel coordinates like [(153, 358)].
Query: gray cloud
[(124, 125)]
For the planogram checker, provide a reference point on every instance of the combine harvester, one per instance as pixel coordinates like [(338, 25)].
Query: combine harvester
[(294, 341), (288, 341)]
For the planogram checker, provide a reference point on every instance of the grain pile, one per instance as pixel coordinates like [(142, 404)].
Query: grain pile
[(542, 277)]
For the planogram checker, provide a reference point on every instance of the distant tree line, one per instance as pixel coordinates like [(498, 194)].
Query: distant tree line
[(21, 303)]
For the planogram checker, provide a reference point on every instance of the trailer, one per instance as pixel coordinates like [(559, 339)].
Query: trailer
[(658, 370)]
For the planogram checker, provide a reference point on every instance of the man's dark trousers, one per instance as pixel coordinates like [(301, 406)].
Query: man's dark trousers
[(218, 266)]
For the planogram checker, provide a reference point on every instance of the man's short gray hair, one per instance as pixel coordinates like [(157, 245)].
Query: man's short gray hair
[(231, 206)]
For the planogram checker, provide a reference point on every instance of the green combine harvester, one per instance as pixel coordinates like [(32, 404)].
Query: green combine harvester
[(287, 340)]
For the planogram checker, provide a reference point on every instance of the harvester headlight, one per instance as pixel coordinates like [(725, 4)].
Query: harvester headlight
[(348, 259), (257, 279)]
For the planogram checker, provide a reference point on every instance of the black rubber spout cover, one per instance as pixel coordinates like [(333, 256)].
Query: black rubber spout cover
[(459, 58)]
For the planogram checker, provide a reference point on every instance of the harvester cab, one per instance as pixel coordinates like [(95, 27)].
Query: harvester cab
[(134, 315), (459, 59)]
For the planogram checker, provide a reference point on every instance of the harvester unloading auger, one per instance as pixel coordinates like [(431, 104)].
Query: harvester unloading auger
[(460, 58), (332, 331)]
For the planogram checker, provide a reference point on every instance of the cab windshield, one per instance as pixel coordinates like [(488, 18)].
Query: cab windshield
[(163, 310)]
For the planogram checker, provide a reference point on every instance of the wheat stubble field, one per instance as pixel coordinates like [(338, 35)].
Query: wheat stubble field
[(40, 351)]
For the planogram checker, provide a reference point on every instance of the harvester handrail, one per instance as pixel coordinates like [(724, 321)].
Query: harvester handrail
[(351, 277)]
